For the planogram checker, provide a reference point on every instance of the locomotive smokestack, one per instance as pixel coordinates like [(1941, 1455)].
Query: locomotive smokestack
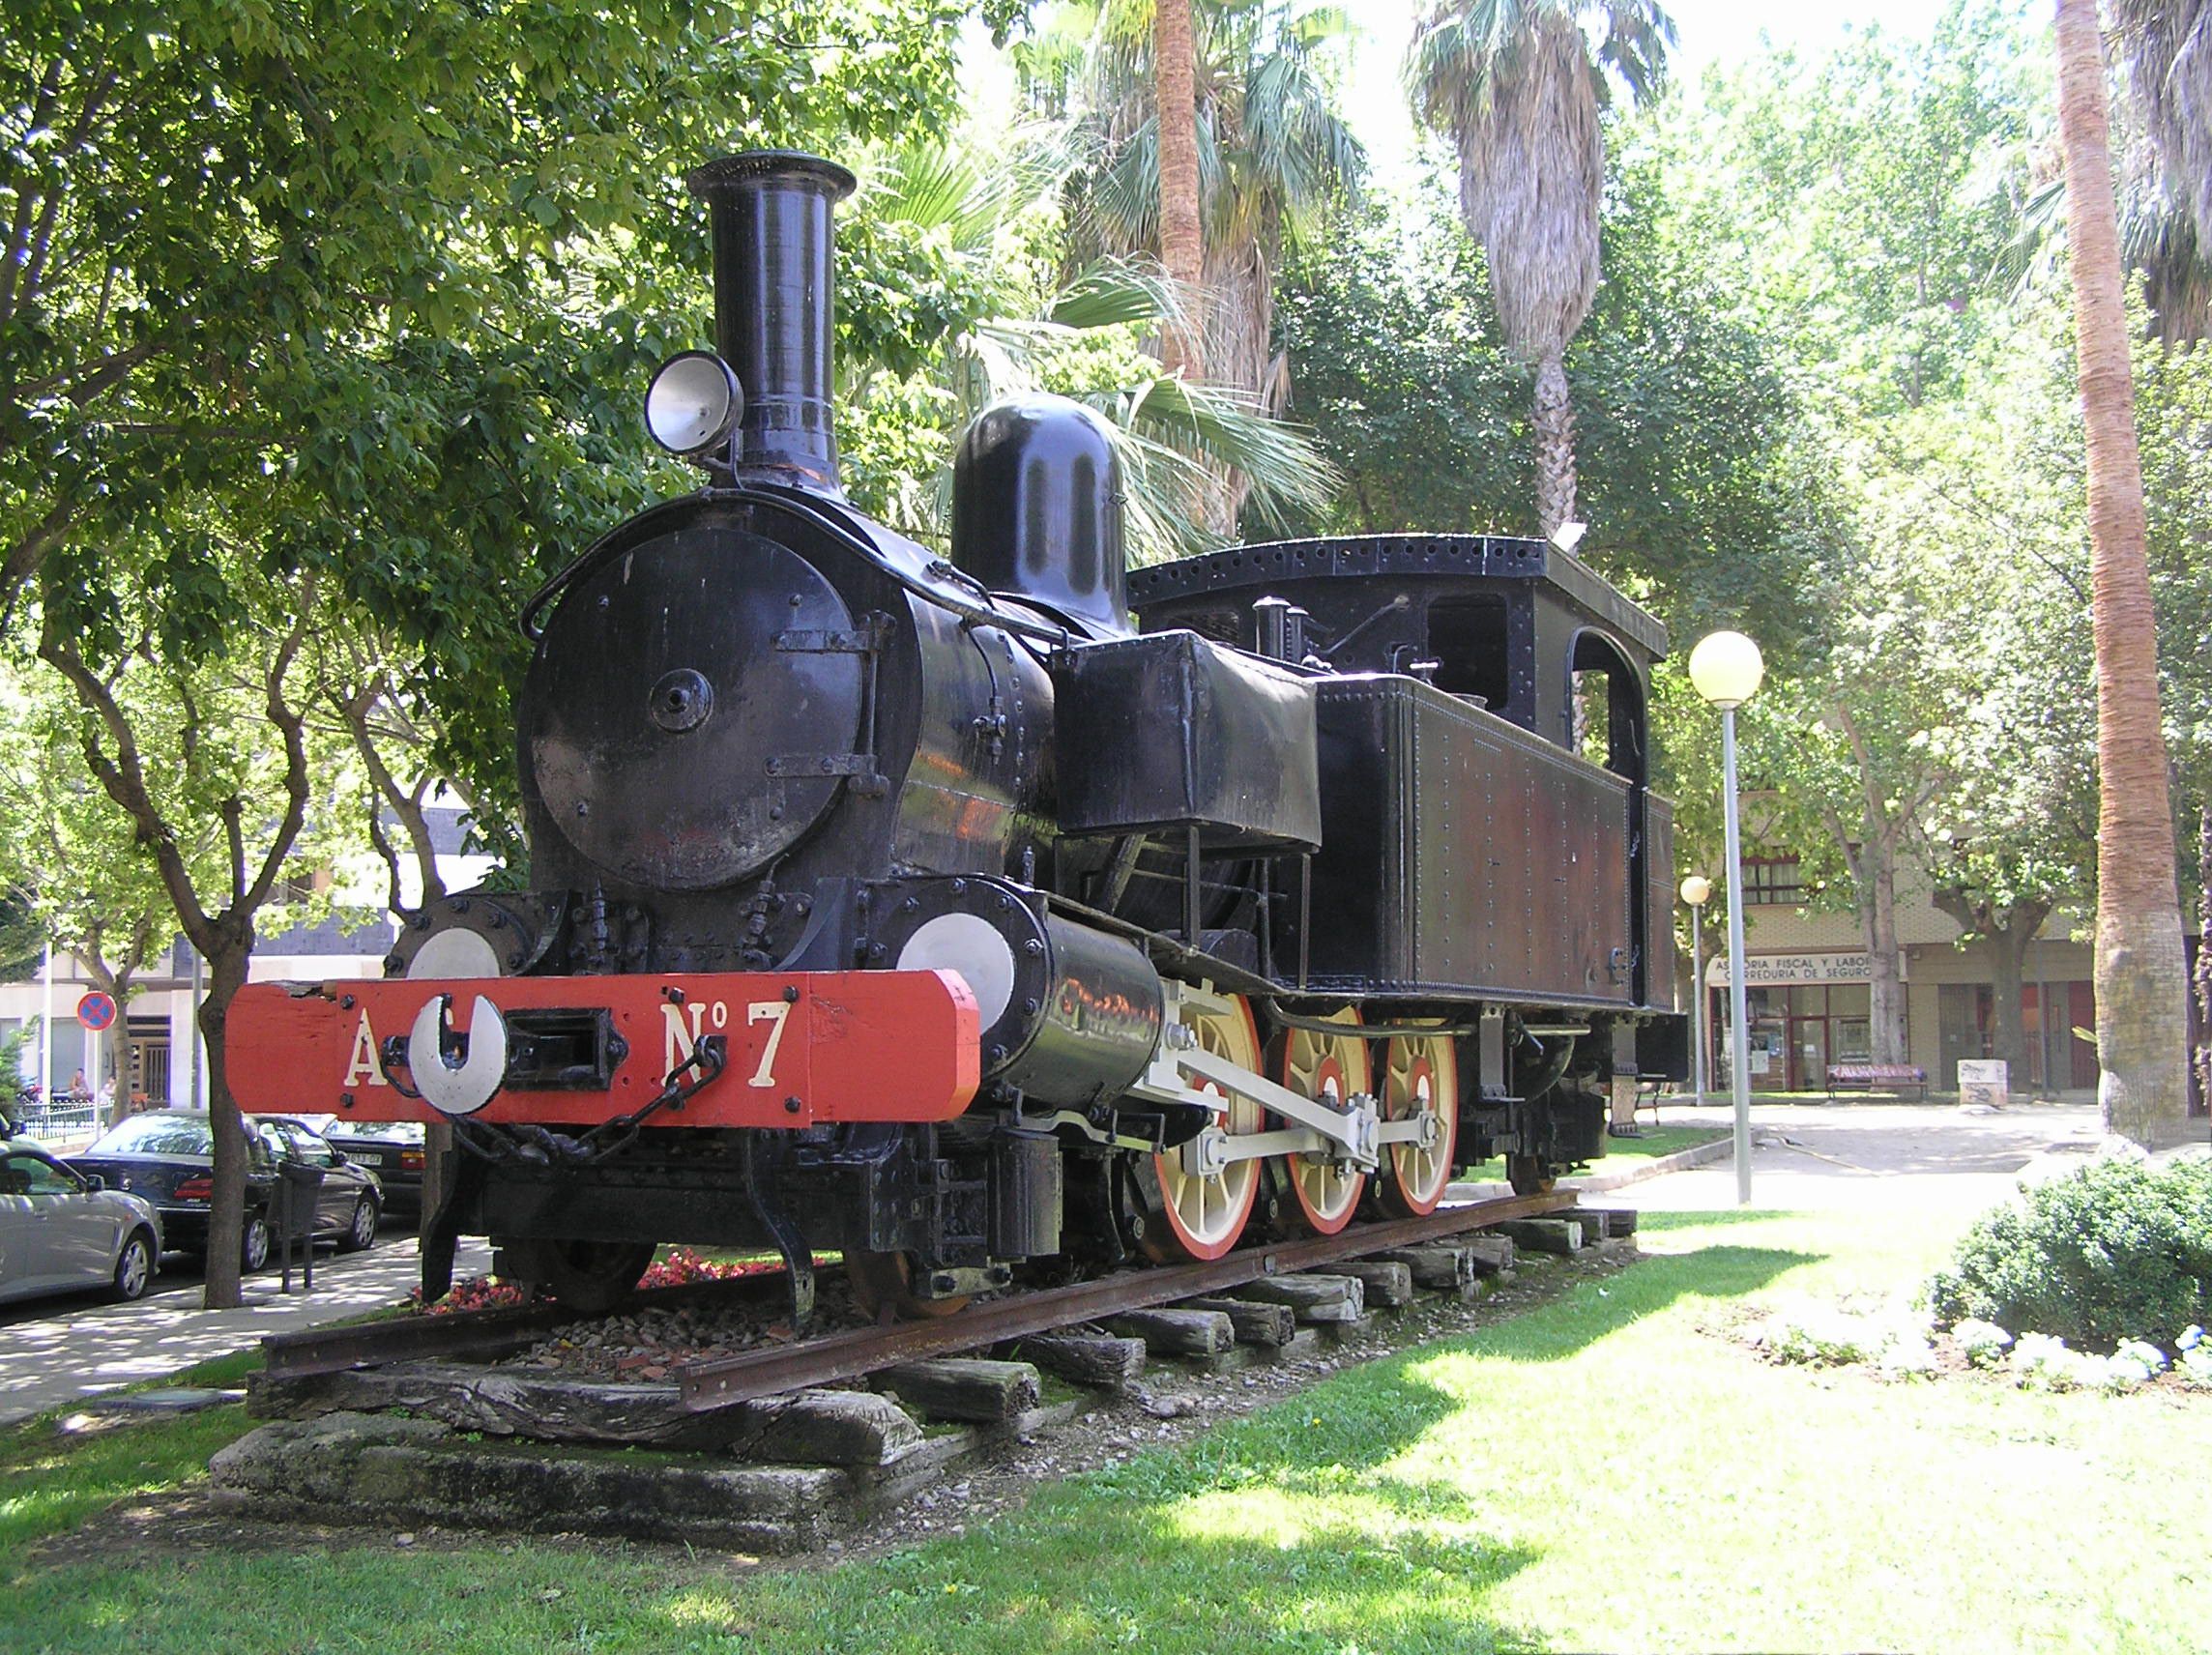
[(772, 252)]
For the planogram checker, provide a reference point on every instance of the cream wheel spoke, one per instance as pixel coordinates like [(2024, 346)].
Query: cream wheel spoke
[(1328, 1068), (1421, 1075)]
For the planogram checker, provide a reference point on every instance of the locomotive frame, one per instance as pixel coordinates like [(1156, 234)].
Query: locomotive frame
[(940, 911)]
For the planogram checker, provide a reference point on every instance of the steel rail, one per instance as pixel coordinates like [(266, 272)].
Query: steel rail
[(754, 1374)]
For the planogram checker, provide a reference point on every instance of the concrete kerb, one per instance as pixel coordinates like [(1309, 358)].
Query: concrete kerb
[(1597, 1183), (1696, 1155)]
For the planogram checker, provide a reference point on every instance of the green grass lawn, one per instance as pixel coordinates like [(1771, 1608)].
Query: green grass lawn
[(1604, 1472)]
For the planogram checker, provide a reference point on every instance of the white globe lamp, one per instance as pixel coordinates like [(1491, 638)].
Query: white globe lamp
[(1726, 669)]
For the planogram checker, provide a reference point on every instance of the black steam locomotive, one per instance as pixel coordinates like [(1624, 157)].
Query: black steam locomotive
[(944, 912)]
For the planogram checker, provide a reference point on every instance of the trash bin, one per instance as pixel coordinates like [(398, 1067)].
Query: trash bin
[(292, 1207)]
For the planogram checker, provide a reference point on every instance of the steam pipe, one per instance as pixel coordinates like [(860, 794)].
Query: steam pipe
[(773, 247)]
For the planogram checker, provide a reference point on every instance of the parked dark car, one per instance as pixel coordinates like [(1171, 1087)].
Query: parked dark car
[(167, 1157), (393, 1149), (61, 1231)]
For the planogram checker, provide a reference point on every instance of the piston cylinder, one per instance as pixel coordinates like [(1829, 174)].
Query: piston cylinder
[(1070, 1016)]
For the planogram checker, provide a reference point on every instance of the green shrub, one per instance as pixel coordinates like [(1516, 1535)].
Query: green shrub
[(2115, 1251)]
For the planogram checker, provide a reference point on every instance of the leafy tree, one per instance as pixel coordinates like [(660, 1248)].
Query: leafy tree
[(2011, 843), (1697, 471), (1405, 381), (1519, 86), (1860, 197), (1844, 749), (2173, 411), (87, 887), (330, 316)]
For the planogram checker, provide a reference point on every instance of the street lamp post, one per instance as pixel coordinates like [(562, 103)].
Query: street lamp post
[(1726, 669), (1697, 891)]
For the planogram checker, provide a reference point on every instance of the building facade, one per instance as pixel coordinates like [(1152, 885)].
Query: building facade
[(1806, 980)]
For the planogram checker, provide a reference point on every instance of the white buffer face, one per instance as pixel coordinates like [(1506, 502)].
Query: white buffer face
[(694, 402), (972, 946), (464, 1086), (454, 953)]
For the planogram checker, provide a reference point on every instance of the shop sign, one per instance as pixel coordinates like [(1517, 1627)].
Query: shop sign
[(1766, 970)]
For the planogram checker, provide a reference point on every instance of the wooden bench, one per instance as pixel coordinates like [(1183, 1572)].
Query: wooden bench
[(1876, 1077)]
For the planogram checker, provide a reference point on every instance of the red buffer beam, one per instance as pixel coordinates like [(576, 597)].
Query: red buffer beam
[(800, 1047)]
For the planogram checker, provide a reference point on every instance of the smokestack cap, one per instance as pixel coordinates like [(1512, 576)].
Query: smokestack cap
[(752, 166)]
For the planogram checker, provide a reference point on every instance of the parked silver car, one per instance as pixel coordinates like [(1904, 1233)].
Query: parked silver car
[(61, 1232)]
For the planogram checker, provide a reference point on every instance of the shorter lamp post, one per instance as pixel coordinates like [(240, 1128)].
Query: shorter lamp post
[(1726, 668), (1697, 891)]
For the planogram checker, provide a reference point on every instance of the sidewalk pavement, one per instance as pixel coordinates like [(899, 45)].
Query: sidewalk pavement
[(1873, 1157), (52, 1357)]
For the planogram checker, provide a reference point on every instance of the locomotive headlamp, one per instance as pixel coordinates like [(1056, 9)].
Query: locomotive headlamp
[(693, 403), (1727, 668)]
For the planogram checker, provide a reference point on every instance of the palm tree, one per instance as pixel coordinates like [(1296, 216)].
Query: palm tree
[(1519, 85), (2166, 45), (1175, 437), (1182, 243), (1273, 161), (2142, 1031)]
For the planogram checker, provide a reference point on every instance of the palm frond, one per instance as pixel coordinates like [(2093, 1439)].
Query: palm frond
[(1281, 463), (1113, 293), (2158, 240), (970, 196), (2168, 44)]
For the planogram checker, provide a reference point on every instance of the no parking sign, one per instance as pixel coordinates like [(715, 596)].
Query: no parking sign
[(96, 1010)]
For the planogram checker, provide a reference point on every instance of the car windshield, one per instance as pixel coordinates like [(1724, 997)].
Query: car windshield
[(385, 1131), (312, 1122), (157, 1135)]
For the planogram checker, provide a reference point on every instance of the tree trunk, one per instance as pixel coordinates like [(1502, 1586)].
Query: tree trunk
[(1885, 990), (2141, 980), (1555, 416), (2008, 938), (226, 975), (1182, 244), (121, 1052), (2008, 987)]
